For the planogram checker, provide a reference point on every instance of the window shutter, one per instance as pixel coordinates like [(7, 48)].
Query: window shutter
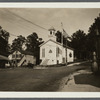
[(43, 52), (57, 52)]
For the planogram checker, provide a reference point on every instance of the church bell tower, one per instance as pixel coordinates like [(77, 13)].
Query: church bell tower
[(52, 34)]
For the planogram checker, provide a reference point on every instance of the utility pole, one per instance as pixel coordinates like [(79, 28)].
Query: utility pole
[(98, 49), (65, 43), (16, 58), (62, 34), (62, 40), (96, 55), (66, 50)]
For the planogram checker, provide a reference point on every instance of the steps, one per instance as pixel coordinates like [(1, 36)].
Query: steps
[(45, 62), (22, 61)]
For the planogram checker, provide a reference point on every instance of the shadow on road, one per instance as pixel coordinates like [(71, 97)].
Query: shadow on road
[(87, 79)]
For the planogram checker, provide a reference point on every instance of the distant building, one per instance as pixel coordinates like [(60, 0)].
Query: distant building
[(52, 52), (21, 58)]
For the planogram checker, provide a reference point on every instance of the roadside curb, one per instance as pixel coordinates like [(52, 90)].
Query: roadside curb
[(78, 63)]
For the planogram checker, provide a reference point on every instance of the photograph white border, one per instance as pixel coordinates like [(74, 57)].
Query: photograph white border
[(50, 94), (51, 5)]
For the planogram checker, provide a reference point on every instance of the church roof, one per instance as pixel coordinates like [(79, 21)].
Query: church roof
[(56, 43), (27, 52), (52, 28)]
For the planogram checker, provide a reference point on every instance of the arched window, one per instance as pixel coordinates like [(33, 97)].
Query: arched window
[(51, 32)]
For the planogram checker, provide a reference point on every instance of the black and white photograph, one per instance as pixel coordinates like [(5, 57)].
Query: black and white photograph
[(49, 49)]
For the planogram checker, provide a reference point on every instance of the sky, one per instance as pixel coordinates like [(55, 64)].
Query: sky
[(14, 21)]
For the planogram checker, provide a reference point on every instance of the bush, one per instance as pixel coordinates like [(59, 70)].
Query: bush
[(30, 65)]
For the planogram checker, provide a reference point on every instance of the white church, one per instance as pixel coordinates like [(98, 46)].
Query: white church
[(53, 52)]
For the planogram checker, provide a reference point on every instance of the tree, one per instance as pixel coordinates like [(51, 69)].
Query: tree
[(59, 38), (4, 35), (78, 42), (92, 34), (4, 41), (18, 43), (9, 49), (33, 42)]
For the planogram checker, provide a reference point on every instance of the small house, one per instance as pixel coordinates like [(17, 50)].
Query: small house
[(21, 58)]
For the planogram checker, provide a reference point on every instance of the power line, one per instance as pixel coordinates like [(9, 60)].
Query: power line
[(19, 24), (9, 20), (27, 20)]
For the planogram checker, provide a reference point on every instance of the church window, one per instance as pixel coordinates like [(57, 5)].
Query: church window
[(43, 52), (51, 32)]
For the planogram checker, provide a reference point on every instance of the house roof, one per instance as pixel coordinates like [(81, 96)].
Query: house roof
[(56, 43), (24, 52), (27, 52), (3, 57)]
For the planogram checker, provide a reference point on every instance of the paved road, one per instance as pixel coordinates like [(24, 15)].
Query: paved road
[(24, 79)]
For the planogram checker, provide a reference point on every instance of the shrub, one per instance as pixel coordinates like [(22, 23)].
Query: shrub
[(30, 65)]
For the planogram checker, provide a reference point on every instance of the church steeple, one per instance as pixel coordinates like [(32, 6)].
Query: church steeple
[(52, 33)]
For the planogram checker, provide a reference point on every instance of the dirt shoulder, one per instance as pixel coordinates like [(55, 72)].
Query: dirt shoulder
[(82, 80)]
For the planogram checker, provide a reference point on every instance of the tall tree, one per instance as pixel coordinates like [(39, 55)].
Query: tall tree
[(59, 38), (79, 44), (4, 41), (33, 42), (18, 43), (92, 34), (4, 35)]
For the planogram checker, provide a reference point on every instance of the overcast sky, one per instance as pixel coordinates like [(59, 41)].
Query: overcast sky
[(72, 19)]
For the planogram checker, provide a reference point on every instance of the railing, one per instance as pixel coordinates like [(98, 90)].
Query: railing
[(21, 61)]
